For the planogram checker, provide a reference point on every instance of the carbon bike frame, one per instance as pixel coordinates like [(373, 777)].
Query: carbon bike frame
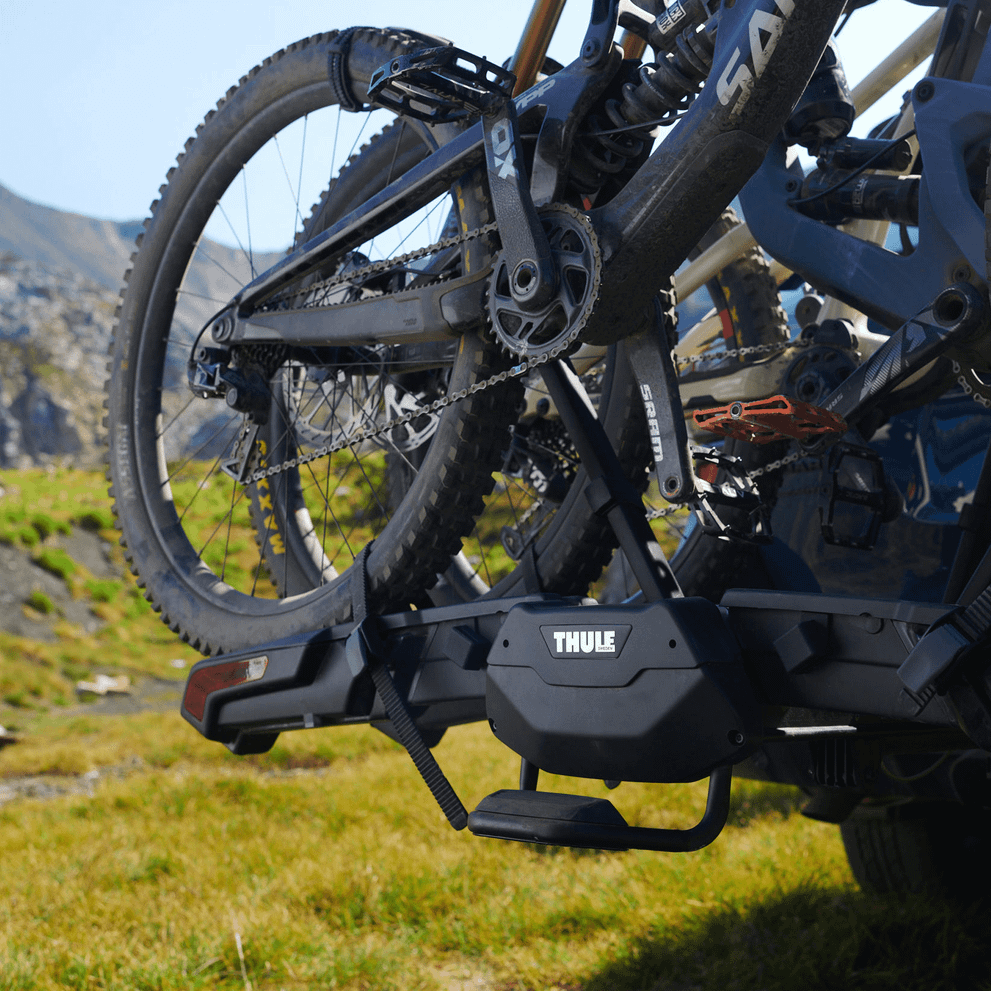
[(952, 112), (766, 51)]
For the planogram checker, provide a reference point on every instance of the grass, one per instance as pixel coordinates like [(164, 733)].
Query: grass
[(38, 503), (332, 865), (37, 506), (326, 864)]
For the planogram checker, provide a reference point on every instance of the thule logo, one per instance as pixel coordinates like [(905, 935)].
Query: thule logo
[(585, 641)]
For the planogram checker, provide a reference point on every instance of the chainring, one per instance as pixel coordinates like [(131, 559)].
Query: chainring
[(575, 250)]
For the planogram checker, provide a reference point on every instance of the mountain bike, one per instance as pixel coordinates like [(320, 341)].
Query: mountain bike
[(474, 323)]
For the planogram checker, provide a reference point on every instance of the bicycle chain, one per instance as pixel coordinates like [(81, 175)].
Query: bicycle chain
[(317, 294), (753, 349), (366, 271)]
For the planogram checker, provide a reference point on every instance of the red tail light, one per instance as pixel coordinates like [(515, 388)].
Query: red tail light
[(213, 677)]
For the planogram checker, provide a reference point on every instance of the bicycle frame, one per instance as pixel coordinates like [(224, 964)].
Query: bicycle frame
[(950, 115), (644, 232), (881, 80), (724, 695)]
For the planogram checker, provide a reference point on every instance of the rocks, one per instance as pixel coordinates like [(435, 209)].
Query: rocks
[(59, 275), (55, 328), (46, 427), (49, 786), (55, 332), (20, 576), (104, 684)]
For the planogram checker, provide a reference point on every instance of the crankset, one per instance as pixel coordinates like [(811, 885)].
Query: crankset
[(532, 331)]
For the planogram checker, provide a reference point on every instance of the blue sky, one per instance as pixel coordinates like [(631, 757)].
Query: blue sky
[(99, 96)]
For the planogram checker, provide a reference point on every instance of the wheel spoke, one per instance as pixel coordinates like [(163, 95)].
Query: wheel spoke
[(220, 554)]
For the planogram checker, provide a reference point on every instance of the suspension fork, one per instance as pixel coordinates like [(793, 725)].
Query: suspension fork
[(534, 42)]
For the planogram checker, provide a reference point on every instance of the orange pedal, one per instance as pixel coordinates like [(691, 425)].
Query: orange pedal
[(766, 420)]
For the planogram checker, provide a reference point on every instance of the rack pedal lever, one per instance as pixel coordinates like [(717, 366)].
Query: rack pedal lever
[(594, 823)]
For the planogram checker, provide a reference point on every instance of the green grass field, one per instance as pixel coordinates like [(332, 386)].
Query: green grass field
[(326, 864)]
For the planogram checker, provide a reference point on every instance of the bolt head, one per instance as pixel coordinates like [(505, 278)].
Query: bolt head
[(222, 328), (590, 50), (526, 278)]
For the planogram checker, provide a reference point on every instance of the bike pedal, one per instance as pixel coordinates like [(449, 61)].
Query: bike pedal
[(764, 421), (439, 85)]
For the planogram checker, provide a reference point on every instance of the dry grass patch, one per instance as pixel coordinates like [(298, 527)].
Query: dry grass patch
[(348, 878)]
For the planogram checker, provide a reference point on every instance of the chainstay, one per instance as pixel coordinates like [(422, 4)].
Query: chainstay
[(316, 294)]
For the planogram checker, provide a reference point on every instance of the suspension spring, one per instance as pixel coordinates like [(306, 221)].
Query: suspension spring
[(598, 154), (661, 92), (667, 87)]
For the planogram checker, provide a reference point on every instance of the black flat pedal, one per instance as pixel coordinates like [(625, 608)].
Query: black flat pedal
[(546, 817), (439, 85)]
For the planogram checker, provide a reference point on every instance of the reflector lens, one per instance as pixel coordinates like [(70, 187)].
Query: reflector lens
[(224, 675)]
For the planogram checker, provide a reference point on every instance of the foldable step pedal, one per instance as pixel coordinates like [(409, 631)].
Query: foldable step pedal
[(593, 823)]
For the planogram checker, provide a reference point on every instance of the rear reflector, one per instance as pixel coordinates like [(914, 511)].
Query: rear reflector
[(213, 677)]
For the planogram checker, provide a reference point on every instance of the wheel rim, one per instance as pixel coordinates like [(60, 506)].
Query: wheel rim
[(205, 518)]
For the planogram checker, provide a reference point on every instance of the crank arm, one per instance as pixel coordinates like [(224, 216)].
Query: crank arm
[(650, 359), (955, 315), (608, 491), (533, 275), (431, 313)]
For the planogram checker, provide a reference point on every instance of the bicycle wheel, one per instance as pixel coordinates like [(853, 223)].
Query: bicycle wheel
[(191, 532)]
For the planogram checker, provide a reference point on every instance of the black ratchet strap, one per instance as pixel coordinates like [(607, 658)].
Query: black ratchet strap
[(365, 648), (337, 71)]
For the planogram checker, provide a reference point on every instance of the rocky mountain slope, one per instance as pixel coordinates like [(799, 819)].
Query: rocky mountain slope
[(96, 249), (60, 274), (55, 328)]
